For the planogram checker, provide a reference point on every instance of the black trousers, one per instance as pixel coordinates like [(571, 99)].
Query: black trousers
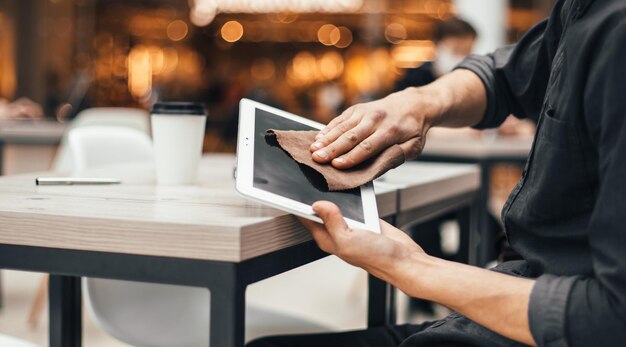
[(452, 331), (386, 336)]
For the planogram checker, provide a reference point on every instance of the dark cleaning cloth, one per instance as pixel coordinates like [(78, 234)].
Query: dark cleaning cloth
[(297, 144)]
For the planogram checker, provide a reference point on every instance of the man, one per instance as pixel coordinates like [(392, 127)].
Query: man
[(566, 217), (454, 40)]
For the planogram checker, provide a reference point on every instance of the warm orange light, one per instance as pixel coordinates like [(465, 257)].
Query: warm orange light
[(324, 35), (335, 36), (139, 72), (170, 60), (232, 31), (330, 66), (302, 69), (177, 30), (157, 60), (395, 33), (413, 53), (345, 37)]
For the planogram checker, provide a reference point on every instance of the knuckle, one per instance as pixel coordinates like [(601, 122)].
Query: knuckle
[(343, 127), (366, 146), (338, 119), (378, 115), (351, 136), (393, 130), (332, 149)]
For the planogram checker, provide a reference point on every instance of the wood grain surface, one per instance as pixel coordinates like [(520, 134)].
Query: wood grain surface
[(208, 220)]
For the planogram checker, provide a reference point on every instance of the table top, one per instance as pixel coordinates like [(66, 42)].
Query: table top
[(207, 221), (478, 147), (35, 132)]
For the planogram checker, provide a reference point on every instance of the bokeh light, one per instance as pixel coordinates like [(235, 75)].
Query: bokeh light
[(413, 53), (345, 37), (232, 31), (177, 30), (395, 33), (330, 66), (324, 35)]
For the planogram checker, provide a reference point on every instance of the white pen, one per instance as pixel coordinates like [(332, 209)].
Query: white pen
[(70, 181)]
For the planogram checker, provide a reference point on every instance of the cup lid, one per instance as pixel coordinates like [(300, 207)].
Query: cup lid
[(179, 108)]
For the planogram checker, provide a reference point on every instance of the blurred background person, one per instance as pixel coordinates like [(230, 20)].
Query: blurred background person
[(454, 40), (21, 108)]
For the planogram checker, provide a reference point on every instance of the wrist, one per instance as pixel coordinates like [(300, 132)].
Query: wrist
[(429, 104), (414, 274)]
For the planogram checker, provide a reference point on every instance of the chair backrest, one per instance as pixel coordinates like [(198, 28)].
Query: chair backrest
[(98, 146), (106, 116)]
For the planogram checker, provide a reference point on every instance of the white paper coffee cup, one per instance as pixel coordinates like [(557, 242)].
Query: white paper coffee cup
[(178, 135)]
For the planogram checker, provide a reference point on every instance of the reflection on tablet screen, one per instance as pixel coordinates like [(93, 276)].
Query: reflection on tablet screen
[(276, 172)]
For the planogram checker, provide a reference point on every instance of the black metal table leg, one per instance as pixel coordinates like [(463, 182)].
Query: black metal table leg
[(64, 294), (376, 301), (381, 303), (227, 322)]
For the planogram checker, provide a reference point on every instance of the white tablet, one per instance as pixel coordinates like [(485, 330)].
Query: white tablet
[(269, 175)]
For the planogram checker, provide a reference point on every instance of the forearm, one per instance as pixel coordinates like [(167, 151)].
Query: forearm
[(457, 99), (496, 301)]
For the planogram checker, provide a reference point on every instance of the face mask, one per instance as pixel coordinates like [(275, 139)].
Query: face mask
[(446, 61)]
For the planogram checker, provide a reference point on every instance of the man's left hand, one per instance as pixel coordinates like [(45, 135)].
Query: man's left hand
[(379, 254)]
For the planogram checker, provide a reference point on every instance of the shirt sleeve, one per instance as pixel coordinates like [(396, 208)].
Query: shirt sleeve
[(591, 310), (516, 77)]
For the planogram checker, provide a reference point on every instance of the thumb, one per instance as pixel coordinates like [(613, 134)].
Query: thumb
[(331, 215)]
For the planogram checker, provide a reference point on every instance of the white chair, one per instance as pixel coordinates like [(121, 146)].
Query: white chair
[(155, 315), (98, 146), (107, 116), (9, 341)]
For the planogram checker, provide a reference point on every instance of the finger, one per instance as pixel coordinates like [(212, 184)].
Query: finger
[(332, 217), (346, 142), (334, 134), (323, 154), (413, 147), (366, 149), (335, 121)]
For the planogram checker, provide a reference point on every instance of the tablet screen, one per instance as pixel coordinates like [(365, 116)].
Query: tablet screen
[(276, 172)]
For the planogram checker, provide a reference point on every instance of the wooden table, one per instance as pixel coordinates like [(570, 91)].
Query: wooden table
[(204, 235), (36, 140), (486, 152)]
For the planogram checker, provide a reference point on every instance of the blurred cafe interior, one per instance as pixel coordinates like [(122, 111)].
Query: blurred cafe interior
[(62, 58)]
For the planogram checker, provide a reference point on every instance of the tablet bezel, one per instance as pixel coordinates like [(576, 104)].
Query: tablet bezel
[(245, 168)]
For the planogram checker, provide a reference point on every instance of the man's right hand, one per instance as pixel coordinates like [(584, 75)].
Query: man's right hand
[(367, 129), (402, 118)]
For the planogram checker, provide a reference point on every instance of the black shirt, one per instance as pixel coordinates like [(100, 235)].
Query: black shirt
[(567, 215), (417, 77)]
